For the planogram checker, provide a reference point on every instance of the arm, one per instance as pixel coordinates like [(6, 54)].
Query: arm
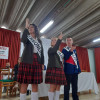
[(79, 70), (24, 38), (55, 48), (42, 53), (4, 73), (15, 69), (67, 54), (42, 56), (26, 32)]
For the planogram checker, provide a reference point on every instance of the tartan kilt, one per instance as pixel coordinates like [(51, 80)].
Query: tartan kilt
[(30, 73), (56, 76)]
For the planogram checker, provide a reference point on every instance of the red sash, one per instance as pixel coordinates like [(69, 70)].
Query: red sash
[(70, 60)]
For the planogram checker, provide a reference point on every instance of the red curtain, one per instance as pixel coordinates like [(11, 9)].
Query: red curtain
[(97, 63), (83, 58), (10, 39), (62, 45), (82, 54)]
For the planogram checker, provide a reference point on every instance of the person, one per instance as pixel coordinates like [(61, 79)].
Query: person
[(8, 65), (5, 75), (32, 61), (16, 69), (16, 85), (71, 69), (55, 74)]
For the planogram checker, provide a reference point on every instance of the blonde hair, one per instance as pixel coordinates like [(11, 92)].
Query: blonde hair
[(52, 39)]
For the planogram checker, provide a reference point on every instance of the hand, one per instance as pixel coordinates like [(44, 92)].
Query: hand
[(27, 23), (60, 36), (73, 48), (42, 67), (79, 72)]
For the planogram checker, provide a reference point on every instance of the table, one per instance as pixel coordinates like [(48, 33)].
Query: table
[(87, 81)]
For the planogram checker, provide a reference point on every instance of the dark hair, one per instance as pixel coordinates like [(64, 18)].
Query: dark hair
[(36, 30)]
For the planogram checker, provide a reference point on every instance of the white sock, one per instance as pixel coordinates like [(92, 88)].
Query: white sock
[(22, 96), (57, 93), (34, 96), (51, 95)]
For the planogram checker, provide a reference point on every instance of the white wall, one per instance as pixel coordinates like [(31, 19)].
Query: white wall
[(46, 45), (21, 49), (92, 61)]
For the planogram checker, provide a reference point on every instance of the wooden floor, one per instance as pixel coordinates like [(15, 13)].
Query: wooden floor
[(83, 96)]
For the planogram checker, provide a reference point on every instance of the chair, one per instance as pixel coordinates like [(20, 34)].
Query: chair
[(15, 89), (12, 90), (6, 82)]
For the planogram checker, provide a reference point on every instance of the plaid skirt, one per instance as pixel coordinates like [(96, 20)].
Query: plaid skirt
[(56, 76), (30, 73)]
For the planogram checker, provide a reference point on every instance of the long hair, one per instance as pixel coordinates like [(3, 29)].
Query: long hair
[(36, 31)]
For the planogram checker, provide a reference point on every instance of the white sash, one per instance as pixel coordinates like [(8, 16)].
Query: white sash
[(61, 55), (74, 58), (67, 48), (73, 55), (35, 44)]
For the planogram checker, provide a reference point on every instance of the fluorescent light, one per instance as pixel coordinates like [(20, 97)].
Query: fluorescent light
[(46, 26), (18, 30), (42, 36), (4, 27), (96, 40)]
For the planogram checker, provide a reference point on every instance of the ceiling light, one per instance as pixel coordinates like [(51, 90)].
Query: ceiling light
[(42, 36), (46, 26), (4, 27), (18, 30), (96, 40)]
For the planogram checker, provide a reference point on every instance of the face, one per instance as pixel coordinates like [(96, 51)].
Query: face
[(53, 41), (19, 60), (8, 64), (31, 29), (69, 41)]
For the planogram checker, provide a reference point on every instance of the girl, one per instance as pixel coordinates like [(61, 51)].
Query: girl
[(32, 62), (55, 75)]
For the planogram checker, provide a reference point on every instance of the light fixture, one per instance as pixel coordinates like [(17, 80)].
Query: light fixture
[(96, 40), (4, 27), (46, 26), (18, 30), (42, 36)]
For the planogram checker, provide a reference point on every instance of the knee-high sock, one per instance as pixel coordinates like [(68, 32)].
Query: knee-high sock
[(57, 93), (51, 95), (34, 95), (22, 96)]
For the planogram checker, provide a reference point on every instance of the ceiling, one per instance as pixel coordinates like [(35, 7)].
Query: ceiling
[(79, 19)]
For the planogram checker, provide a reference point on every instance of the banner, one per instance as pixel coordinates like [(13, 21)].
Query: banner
[(4, 51)]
